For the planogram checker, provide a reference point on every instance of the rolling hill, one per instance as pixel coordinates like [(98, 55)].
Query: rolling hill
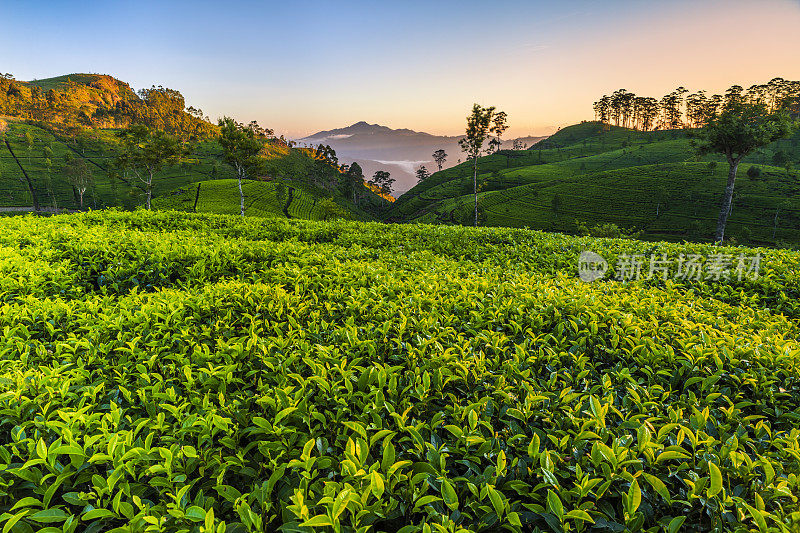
[(590, 175), (43, 123)]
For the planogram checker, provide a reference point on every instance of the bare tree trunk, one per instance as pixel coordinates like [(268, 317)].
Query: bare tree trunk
[(149, 190), (241, 193), (475, 185), (726, 201), (775, 225)]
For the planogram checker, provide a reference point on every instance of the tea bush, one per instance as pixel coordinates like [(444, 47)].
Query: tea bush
[(175, 372)]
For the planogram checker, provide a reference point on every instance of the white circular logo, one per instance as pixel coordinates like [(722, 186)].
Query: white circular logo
[(591, 266)]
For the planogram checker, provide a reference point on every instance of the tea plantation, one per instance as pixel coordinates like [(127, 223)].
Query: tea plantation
[(203, 373)]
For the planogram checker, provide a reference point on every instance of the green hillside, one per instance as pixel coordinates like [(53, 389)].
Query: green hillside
[(41, 152), (263, 199), (650, 181), (201, 372), (32, 146), (45, 122)]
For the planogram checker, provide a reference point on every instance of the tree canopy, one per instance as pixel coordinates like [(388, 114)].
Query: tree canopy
[(735, 132)]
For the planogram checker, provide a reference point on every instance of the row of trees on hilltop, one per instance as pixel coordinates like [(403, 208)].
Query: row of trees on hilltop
[(682, 109)]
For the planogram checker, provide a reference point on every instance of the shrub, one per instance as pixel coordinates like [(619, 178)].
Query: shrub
[(169, 371), (754, 172), (608, 230)]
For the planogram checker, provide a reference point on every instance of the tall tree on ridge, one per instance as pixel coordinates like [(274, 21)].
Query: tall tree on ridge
[(440, 157), (383, 180), (422, 174), (602, 109), (499, 126), (353, 181)]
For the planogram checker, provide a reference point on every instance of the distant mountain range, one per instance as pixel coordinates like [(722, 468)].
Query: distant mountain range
[(399, 151)]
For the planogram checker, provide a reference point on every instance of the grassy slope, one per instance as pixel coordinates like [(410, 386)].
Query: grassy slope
[(59, 82), (99, 153), (619, 176), (203, 165), (262, 199)]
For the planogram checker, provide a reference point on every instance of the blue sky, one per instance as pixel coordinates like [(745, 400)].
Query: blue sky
[(299, 67)]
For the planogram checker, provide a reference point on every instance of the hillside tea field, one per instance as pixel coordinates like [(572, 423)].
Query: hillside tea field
[(201, 373)]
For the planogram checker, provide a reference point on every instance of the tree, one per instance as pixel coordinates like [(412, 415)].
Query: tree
[(383, 181), (326, 169), (479, 126), (602, 109), (754, 172), (499, 126), (780, 158), (79, 176), (737, 131), (440, 157), (786, 205), (353, 181), (240, 148), (330, 210), (422, 174), (146, 152)]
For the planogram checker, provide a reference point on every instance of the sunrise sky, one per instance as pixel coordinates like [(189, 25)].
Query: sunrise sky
[(301, 67)]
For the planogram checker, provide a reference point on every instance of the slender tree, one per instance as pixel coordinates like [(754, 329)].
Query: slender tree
[(79, 176), (479, 126), (422, 174), (499, 126), (602, 109), (440, 157), (353, 181), (146, 152), (737, 131), (383, 180), (240, 148)]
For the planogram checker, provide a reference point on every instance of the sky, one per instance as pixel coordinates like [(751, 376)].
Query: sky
[(302, 67)]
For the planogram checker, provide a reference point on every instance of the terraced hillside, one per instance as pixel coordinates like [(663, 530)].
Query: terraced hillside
[(264, 199), (191, 372), (40, 153), (651, 181)]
